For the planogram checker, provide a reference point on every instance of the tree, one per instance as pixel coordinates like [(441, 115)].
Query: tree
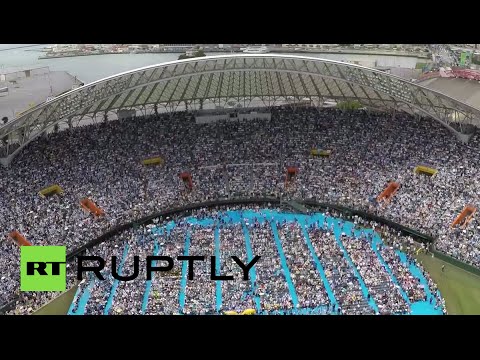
[(349, 105), (198, 53)]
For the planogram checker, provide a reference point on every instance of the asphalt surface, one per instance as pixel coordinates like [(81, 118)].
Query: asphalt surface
[(33, 91), (464, 90)]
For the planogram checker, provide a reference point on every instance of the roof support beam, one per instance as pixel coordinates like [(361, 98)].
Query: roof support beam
[(267, 73)]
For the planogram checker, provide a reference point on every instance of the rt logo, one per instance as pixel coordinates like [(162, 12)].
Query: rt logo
[(43, 268)]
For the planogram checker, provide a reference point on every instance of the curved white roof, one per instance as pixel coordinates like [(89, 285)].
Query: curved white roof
[(268, 77)]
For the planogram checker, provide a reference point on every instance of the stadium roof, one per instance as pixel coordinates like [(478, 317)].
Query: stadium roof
[(465, 90), (268, 77)]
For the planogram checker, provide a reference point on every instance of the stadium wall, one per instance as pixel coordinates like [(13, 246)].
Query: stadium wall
[(425, 239), (166, 213), (244, 201), (452, 261), (8, 306)]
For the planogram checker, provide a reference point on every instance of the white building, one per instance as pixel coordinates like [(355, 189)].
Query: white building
[(15, 74)]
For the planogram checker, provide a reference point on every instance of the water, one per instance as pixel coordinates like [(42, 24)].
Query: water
[(91, 68), (85, 68)]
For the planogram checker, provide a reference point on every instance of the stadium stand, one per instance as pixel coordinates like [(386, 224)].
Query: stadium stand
[(304, 270), (235, 158)]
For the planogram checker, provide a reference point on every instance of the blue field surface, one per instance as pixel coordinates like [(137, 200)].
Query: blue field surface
[(273, 218)]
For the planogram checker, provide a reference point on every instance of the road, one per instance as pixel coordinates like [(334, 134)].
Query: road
[(18, 47)]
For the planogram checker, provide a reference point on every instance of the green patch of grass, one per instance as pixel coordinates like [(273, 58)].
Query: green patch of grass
[(59, 305), (459, 288)]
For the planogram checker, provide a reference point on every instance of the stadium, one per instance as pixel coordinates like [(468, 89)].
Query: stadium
[(365, 207)]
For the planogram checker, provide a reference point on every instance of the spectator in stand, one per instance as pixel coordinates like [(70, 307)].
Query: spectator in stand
[(227, 159)]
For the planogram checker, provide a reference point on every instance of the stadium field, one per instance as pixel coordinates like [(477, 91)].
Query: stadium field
[(460, 289), (59, 305)]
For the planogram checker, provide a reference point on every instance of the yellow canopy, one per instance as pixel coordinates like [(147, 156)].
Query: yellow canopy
[(249, 312), (153, 161), (54, 189), (425, 170), (230, 313)]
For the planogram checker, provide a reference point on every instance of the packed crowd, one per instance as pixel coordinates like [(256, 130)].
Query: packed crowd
[(392, 243), (343, 278), (236, 295), (308, 283), (346, 262), (102, 162), (165, 289), (386, 295), (272, 286)]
